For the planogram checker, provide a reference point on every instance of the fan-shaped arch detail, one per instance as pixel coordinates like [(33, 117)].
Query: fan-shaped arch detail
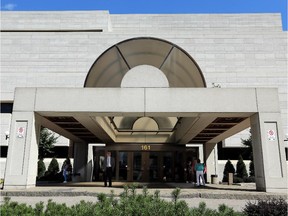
[(178, 66)]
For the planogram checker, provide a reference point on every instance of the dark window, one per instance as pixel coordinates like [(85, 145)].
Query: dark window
[(6, 107), (3, 151), (232, 153), (59, 152)]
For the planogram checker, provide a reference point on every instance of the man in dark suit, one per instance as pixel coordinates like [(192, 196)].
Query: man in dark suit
[(109, 164)]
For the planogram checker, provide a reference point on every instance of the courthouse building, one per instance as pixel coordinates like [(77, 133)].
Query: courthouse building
[(155, 90)]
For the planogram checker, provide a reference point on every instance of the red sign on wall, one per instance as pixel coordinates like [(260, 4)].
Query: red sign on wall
[(20, 132), (271, 135)]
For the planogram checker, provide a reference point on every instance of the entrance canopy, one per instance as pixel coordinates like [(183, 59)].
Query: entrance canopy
[(95, 115), (144, 62)]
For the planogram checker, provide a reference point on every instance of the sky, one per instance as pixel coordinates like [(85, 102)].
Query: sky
[(153, 6)]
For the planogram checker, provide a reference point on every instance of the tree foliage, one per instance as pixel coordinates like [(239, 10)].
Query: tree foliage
[(53, 167), (241, 168), (248, 143), (46, 143), (41, 168), (229, 168), (251, 168)]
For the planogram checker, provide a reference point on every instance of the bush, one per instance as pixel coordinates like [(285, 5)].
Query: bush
[(229, 168), (251, 169), (53, 209), (249, 179), (275, 207), (53, 167), (14, 208), (52, 173), (130, 203), (237, 179), (41, 169), (241, 168)]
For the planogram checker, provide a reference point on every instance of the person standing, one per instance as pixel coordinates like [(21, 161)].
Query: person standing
[(199, 168), (66, 169), (109, 164)]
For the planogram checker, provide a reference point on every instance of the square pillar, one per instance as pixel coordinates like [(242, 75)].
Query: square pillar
[(268, 152), (21, 165), (90, 163), (80, 160), (211, 159)]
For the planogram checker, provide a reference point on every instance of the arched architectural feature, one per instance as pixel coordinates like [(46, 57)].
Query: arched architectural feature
[(178, 66), (144, 76), (145, 124), (162, 122)]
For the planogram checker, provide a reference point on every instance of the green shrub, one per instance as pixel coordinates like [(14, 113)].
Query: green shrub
[(237, 179), (52, 173), (13, 208), (129, 203), (251, 169), (53, 209), (224, 210), (202, 210), (275, 207), (241, 168), (53, 167), (84, 208), (249, 179), (41, 169), (229, 168)]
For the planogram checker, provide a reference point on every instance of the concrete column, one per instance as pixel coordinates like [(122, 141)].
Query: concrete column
[(21, 166), (90, 163), (71, 149), (268, 152), (80, 160), (211, 159)]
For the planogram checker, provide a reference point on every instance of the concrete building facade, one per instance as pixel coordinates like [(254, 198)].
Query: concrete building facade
[(144, 84)]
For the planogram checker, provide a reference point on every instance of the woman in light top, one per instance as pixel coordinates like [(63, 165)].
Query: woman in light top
[(199, 168)]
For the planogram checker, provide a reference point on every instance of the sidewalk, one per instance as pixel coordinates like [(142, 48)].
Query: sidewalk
[(235, 196)]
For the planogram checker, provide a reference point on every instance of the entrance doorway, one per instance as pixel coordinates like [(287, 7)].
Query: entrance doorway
[(145, 166)]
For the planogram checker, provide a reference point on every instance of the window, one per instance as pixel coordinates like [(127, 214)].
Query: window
[(6, 107)]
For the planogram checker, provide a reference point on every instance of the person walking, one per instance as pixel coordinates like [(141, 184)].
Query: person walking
[(109, 164), (199, 168)]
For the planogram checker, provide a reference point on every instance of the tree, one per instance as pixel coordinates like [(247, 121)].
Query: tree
[(229, 168), (251, 168), (46, 143), (241, 168), (248, 143), (53, 167), (41, 168)]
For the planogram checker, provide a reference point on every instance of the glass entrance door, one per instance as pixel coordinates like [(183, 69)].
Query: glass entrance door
[(137, 166), (154, 168), (151, 166), (123, 166), (145, 166)]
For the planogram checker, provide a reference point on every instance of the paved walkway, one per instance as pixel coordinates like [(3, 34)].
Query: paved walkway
[(235, 196)]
